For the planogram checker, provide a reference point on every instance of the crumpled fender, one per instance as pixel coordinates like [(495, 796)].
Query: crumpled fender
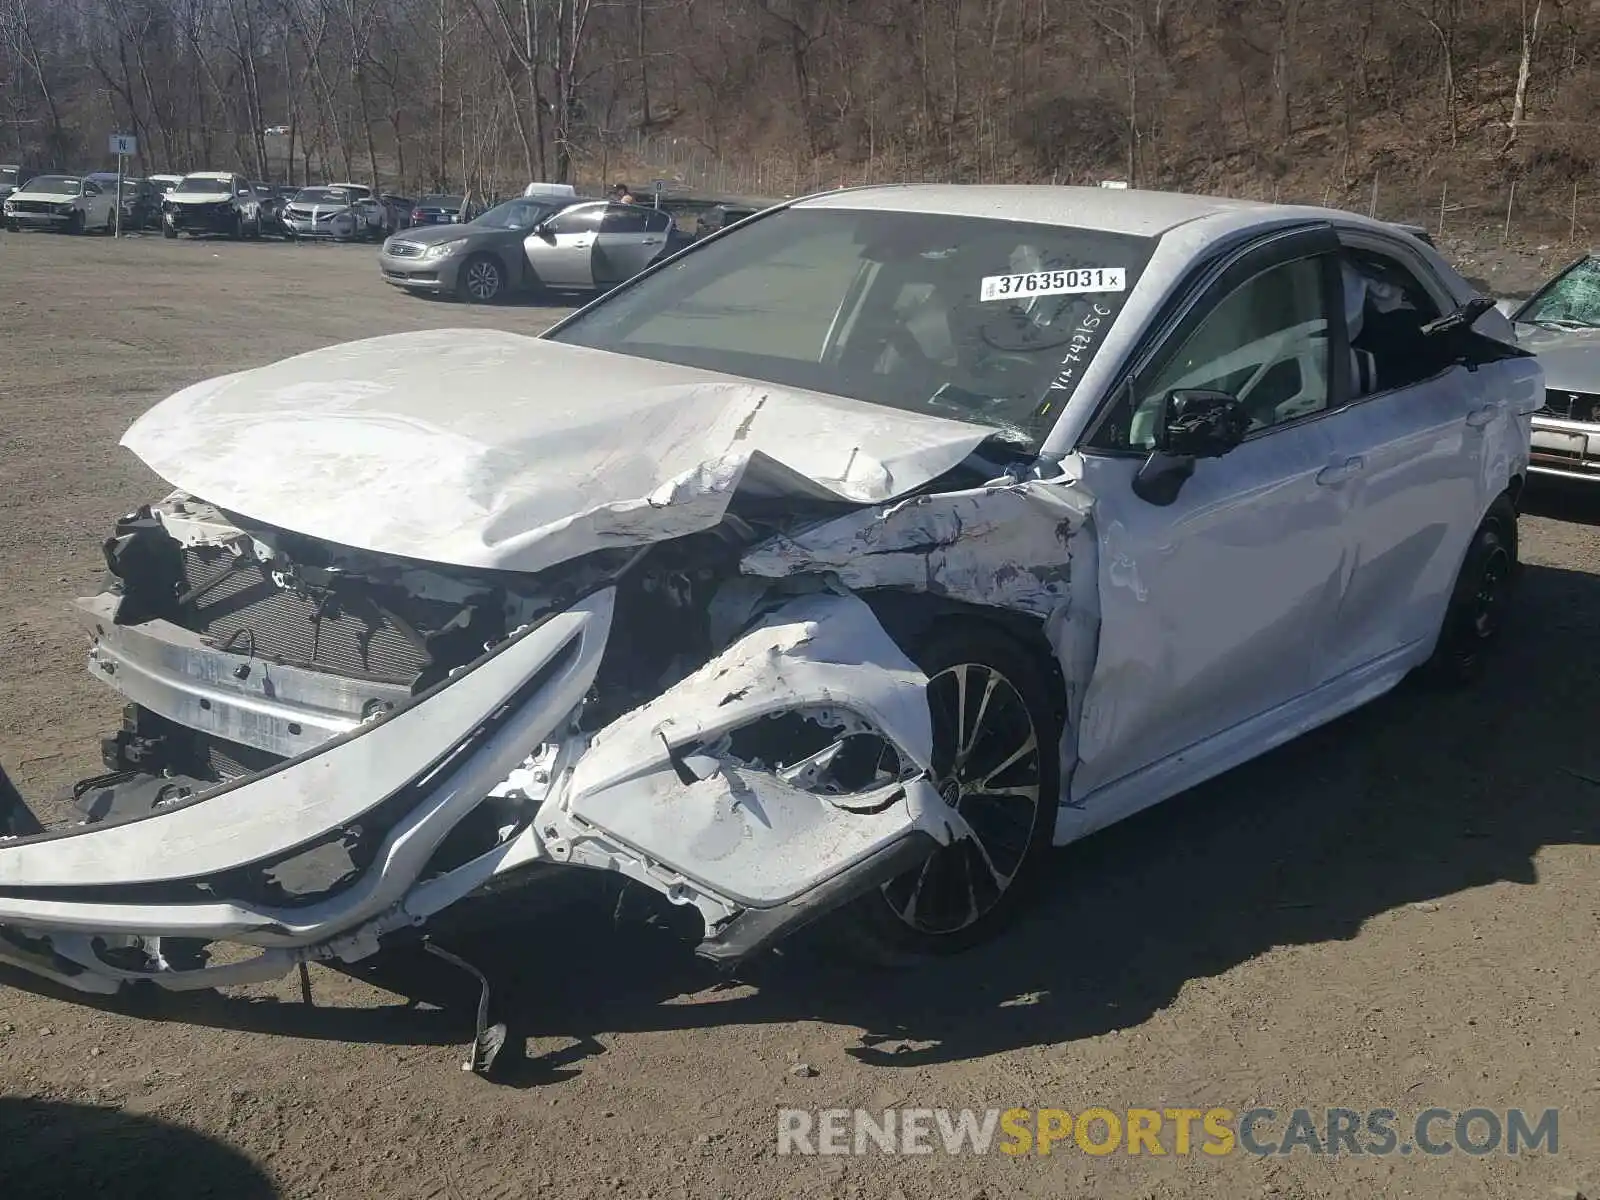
[(654, 781)]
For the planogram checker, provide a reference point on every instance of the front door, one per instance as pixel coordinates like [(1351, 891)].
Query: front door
[(1214, 608), (562, 252)]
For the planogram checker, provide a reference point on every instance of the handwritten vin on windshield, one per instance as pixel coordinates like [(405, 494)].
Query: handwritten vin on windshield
[(1081, 281)]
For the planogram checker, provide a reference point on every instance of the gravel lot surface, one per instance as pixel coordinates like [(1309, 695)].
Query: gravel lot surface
[(1396, 911)]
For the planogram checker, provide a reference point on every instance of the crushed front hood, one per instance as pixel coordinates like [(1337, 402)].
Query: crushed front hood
[(481, 448)]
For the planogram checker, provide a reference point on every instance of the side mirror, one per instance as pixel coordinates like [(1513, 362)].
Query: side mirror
[(1458, 342), (1189, 425), (544, 232)]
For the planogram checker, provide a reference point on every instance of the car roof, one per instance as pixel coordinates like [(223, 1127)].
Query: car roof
[(209, 175), (1112, 210)]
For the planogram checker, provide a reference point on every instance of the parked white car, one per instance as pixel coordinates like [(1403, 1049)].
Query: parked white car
[(212, 202), (840, 567), (372, 214), (67, 202)]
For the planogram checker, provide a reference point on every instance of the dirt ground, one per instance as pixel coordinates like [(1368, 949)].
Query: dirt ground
[(1396, 911)]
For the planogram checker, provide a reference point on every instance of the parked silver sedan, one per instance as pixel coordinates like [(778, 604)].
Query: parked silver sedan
[(1561, 324), (598, 245), (479, 262), (326, 212)]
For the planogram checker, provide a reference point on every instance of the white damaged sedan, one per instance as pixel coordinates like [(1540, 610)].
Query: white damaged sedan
[(840, 564)]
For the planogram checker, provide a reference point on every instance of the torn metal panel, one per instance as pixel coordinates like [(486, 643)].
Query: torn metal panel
[(1005, 546), (487, 449), (1028, 547), (668, 779)]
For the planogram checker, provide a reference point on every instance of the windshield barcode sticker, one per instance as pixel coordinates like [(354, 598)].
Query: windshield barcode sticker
[(1080, 281)]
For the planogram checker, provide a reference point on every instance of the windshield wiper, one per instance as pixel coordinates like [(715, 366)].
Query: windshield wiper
[(1566, 323)]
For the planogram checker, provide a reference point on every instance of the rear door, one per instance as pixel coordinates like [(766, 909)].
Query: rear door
[(1424, 443), (627, 242), (562, 252)]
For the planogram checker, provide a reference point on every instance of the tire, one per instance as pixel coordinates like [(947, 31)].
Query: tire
[(896, 925), (1476, 613), (75, 223), (482, 280), (237, 233), (167, 231)]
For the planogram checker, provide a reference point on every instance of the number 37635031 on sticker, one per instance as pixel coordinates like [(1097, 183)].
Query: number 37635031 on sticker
[(1079, 280)]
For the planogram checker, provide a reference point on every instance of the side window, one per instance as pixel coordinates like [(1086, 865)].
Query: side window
[(657, 221), (623, 218), (577, 220), (1385, 309), (1265, 343)]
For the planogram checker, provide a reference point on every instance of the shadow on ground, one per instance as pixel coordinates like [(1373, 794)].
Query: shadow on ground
[(51, 1150), (1414, 798)]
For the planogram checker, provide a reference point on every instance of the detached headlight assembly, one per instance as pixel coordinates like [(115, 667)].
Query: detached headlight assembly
[(444, 249)]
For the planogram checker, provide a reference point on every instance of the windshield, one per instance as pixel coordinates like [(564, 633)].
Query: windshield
[(322, 196), (1570, 301), (203, 183), (514, 214), (439, 202), (55, 185), (978, 319)]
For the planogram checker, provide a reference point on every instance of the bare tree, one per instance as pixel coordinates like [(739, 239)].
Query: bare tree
[(1530, 14)]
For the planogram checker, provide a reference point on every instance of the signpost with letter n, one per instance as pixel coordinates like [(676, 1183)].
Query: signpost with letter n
[(124, 146)]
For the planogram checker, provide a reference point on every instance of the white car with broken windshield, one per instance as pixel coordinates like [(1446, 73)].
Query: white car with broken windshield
[(834, 568)]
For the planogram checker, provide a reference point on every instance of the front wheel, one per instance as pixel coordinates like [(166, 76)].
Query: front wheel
[(168, 231), (75, 223), (996, 729), (1476, 613), (482, 280)]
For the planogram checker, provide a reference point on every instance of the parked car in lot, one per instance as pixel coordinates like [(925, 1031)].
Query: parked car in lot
[(326, 212), (13, 176), (211, 202), (373, 217), (442, 210), (835, 570), (270, 200), (721, 215), (1561, 324), (165, 183), (399, 210), (68, 202), (141, 204), (598, 244), (481, 261)]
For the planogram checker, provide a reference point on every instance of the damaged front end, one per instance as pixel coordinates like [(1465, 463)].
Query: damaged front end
[(325, 747)]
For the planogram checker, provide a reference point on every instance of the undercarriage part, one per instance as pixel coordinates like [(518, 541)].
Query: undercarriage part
[(487, 1040)]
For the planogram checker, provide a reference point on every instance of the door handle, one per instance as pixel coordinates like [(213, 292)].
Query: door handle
[(580, 243), (1349, 468), (1479, 417), (652, 241)]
